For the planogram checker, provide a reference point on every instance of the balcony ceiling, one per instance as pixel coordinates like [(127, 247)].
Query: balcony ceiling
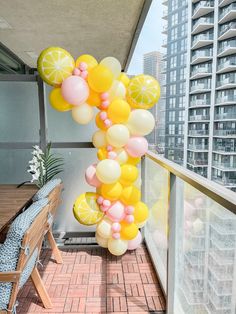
[(101, 28)]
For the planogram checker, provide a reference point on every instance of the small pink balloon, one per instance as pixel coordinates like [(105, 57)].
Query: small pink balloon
[(107, 122), (116, 212), (105, 104), (112, 155), (103, 115), (106, 203), (100, 200), (84, 74), (137, 146), (90, 176), (104, 96), (134, 243), (76, 72), (116, 235), (109, 148), (129, 219), (116, 227), (104, 208), (83, 66), (129, 210), (75, 90)]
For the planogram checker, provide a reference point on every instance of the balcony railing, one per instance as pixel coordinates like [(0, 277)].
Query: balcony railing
[(200, 102), (199, 117), (198, 162), (198, 147), (200, 86), (226, 81), (202, 37), (224, 181), (226, 64), (224, 149), (226, 10), (199, 70), (227, 46), (192, 219), (226, 27), (203, 4), (224, 165), (226, 115), (198, 132), (225, 99), (225, 132)]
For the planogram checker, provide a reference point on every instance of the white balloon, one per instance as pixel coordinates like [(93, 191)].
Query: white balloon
[(122, 156), (117, 90), (104, 228), (103, 242), (117, 246), (117, 135), (141, 122), (99, 139), (113, 64), (108, 171), (82, 114)]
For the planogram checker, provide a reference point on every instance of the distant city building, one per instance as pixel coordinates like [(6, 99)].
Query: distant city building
[(152, 65)]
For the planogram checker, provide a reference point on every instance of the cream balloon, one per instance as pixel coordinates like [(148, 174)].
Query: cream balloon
[(108, 171), (103, 242), (117, 90), (104, 228), (117, 246), (117, 135), (122, 156), (113, 64), (82, 114), (99, 139), (141, 122)]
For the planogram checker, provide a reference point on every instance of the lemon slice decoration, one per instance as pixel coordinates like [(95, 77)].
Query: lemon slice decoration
[(143, 92), (86, 209), (54, 65)]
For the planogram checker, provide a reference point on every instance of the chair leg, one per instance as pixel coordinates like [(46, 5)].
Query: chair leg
[(40, 288), (55, 251)]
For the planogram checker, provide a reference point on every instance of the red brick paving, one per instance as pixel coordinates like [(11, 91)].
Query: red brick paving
[(93, 281)]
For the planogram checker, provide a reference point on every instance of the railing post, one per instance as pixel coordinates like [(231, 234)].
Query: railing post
[(171, 255)]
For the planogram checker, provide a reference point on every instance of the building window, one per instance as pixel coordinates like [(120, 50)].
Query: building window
[(182, 87), (174, 33), (173, 76), (171, 129), (172, 103), (181, 115), (183, 44), (182, 74), (184, 15), (181, 129), (174, 19), (183, 59), (184, 29), (172, 116), (173, 47), (173, 89), (173, 62), (182, 100)]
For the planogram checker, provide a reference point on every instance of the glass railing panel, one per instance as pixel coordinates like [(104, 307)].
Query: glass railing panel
[(156, 197)]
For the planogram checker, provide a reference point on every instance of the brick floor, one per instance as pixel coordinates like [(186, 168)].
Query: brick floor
[(93, 281)]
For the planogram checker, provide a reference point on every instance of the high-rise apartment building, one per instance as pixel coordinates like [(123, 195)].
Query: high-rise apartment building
[(210, 133), (175, 14), (152, 65)]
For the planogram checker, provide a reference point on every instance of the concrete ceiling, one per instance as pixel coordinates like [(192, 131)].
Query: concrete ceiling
[(98, 27)]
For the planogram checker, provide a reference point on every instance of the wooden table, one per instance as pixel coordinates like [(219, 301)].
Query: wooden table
[(13, 200)]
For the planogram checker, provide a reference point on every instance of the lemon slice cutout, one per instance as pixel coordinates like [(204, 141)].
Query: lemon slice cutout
[(86, 209), (54, 65), (143, 92)]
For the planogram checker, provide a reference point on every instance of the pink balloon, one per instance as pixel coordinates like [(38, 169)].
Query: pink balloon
[(90, 176), (137, 146), (116, 227), (116, 211), (75, 90), (134, 243)]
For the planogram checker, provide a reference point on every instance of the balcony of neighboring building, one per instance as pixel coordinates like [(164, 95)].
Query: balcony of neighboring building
[(202, 8), (224, 180), (227, 13), (165, 29), (202, 24), (225, 129), (202, 171), (227, 30), (226, 81), (199, 115), (202, 40), (198, 132), (224, 146), (200, 100), (201, 70), (226, 64), (223, 3), (200, 86), (197, 162), (227, 97), (202, 147), (227, 47), (225, 113), (164, 43), (165, 14), (165, 2), (202, 55), (224, 163)]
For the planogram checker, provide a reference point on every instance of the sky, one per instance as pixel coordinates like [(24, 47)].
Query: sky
[(150, 38)]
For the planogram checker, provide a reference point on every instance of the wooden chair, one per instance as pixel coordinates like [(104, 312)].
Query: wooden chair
[(32, 240)]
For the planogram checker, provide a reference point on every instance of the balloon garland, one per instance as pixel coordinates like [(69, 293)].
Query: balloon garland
[(123, 121)]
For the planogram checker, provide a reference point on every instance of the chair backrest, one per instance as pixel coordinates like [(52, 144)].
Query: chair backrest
[(54, 198)]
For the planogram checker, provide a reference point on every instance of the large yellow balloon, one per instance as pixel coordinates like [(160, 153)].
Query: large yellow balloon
[(124, 79), (89, 60), (133, 160), (117, 246), (57, 101), (117, 135), (113, 64), (103, 242), (102, 153), (99, 139), (128, 231), (117, 90), (99, 123), (104, 228), (108, 171), (94, 98), (141, 122), (143, 92), (130, 195), (100, 78), (140, 212), (82, 114), (119, 111), (111, 191), (129, 174)]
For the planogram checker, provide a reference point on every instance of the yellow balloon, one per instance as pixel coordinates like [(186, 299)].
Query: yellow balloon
[(103, 242), (143, 92), (104, 228), (128, 231), (100, 78), (89, 60), (99, 123), (94, 98), (111, 191), (108, 171), (99, 139), (122, 155), (140, 212), (133, 160), (57, 101), (130, 195), (113, 64), (117, 246), (102, 153), (117, 90), (117, 135), (129, 174), (82, 114), (124, 79), (119, 111)]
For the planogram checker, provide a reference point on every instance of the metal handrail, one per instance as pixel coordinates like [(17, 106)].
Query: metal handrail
[(219, 194)]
